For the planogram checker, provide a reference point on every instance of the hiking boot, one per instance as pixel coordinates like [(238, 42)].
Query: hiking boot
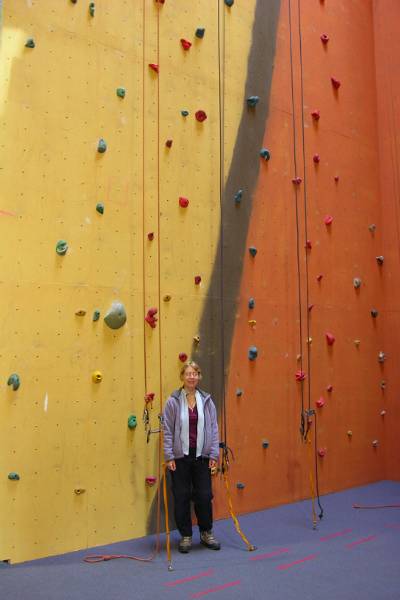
[(185, 544), (207, 539)]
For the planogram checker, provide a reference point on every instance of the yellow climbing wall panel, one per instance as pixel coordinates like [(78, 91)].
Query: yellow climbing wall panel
[(61, 432)]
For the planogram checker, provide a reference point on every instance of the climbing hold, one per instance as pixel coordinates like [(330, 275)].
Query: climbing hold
[(381, 357), (100, 208), (183, 202), (324, 38), (30, 43), (168, 143), (154, 67), (239, 485), (14, 380), (160, 1), (252, 322), (150, 236), (80, 312), (200, 31), (316, 158), (319, 277), (298, 357), (96, 315), (252, 101), (196, 339), (167, 297), (308, 245), (183, 357), (74, 1), (357, 282), (309, 340), (320, 402), (380, 259), (121, 92), (315, 115), (61, 247), (184, 113), (297, 180), (252, 353), (372, 227), (375, 443), (200, 116), (265, 443), (357, 343), (116, 316), (336, 83), (253, 250), (132, 422), (300, 375), (322, 452), (238, 196), (328, 220), (185, 44), (229, 2), (149, 397), (383, 413), (79, 491), (239, 392), (197, 279), (97, 376), (151, 318), (330, 338), (383, 384), (336, 178), (92, 8), (350, 433), (310, 307), (151, 480), (265, 153), (251, 303), (374, 313), (329, 388), (13, 476), (101, 146)]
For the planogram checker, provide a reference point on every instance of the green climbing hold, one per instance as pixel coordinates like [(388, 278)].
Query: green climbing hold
[(132, 422), (265, 153), (100, 208), (14, 380), (121, 92), (101, 146), (96, 315), (30, 43), (61, 247), (116, 316), (92, 8), (184, 113), (13, 476)]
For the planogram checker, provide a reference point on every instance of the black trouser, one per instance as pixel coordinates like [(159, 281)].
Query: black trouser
[(192, 481)]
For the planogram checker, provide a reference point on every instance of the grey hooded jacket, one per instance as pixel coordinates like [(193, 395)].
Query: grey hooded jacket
[(172, 427)]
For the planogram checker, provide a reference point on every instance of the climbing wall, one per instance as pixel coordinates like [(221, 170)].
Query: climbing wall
[(201, 181)]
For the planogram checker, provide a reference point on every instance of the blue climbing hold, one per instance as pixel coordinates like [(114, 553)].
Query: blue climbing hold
[(265, 443), (252, 303), (253, 250), (184, 113), (101, 146), (238, 196), (253, 353), (265, 153), (229, 2), (200, 31), (252, 101), (240, 485)]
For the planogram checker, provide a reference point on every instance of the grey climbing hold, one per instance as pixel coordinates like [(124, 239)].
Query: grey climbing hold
[(357, 282), (116, 316), (61, 247), (239, 392), (265, 444), (121, 92), (132, 422), (184, 113), (200, 31), (251, 303), (253, 250), (265, 153), (14, 380), (252, 353), (374, 313), (13, 476), (100, 208), (381, 357), (240, 485), (101, 146), (96, 315), (380, 259), (238, 196), (252, 101), (30, 43), (92, 8)]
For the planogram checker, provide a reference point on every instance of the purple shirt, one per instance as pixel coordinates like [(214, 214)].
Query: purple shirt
[(193, 416)]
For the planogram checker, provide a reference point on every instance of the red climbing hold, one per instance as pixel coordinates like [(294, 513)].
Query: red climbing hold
[(185, 44), (320, 402), (336, 83), (321, 452), (149, 397), (328, 220), (297, 180), (154, 67), (183, 357), (310, 307), (197, 279), (150, 481), (324, 38), (200, 116), (319, 277), (315, 115), (168, 143), (151, 318), (330, 338), (308, 245), (336, 178), (160, 1), (329, 388), (300, 375), (183, 202), (150, 236), (316, 158)]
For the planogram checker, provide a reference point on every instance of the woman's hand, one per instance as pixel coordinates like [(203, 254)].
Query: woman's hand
[(171, 465)]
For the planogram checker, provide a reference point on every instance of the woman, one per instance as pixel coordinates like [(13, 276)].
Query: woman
[(191, 449)]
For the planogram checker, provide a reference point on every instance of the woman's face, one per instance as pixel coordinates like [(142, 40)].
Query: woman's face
[(190, 378)]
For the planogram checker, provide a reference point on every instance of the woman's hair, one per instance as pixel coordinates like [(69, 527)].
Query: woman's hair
[(193, 365)]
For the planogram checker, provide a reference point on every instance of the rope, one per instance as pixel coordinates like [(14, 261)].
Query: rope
[(366, 506)]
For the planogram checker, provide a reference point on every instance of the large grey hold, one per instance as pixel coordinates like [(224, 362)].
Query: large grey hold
[(116, 316)]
